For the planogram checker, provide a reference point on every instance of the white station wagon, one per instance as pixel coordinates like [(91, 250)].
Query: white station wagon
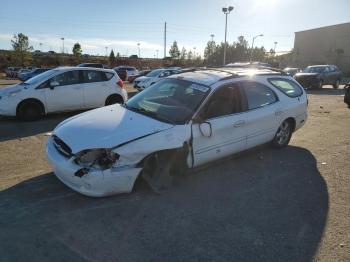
[(180, 122), (62, 89)]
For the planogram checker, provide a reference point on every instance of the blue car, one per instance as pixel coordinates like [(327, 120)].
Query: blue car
[(34, 72)]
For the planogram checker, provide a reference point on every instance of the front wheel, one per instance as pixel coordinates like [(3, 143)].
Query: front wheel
[(283, 135)]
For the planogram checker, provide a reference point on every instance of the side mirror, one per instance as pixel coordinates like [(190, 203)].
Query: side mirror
[(53, 84), (205, 129)]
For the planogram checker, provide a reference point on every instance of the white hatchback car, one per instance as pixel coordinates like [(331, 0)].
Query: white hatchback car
[(62, 89), (181, 122)]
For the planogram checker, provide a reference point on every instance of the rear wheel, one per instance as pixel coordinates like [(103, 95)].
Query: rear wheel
[(336, 84), (114, 99), (283, 134), (29, 111)]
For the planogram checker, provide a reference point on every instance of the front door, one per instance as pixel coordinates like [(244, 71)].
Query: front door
[(67, 95), (223, 111)]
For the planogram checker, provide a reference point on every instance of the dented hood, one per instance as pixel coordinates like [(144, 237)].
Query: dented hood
[(106, 127)]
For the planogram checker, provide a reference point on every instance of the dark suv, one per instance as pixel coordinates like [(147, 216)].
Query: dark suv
[(318, 75)]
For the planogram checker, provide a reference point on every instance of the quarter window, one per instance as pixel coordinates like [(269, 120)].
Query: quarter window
[(258, 95), (287, 87), (67, 78)]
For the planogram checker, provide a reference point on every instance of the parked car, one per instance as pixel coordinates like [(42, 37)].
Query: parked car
[(62, 89), (27, 75), (125, 71), (94, 65), (152, 77), (141, 73), (11, 72), (292, 70), (179, 123), (347, 94), (318, 75)]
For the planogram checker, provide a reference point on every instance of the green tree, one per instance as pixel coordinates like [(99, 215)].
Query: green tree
[(111, 57), (174, 51), (20, 45), (77, 49), (189, 55)]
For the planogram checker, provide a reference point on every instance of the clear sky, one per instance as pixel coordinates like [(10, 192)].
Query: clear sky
[(122, 24)]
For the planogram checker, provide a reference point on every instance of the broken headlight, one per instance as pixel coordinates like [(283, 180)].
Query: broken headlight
[(96, 158)]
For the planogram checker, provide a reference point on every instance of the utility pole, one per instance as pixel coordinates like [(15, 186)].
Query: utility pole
[(165, 40), (226, 11)]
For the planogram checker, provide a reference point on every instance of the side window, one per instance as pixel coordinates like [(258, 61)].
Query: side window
[(225, 101), (287, 87), (109, 75), (91, 76), (67, 78), (327, 69), (258, 95)]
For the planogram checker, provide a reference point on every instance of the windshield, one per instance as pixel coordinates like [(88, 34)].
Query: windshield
[(314, 69), (155, 72), (170, 100), (41, 77)]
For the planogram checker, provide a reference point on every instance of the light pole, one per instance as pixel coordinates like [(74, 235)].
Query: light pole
[(251, 52), (41, 44), (138, 45), (194, 52), (226, 11), (157, 53), (212, 37), (62, 38), (274, 48), (106, 47)]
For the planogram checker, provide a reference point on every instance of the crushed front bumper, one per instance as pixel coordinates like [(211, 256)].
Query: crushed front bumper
[(95, 183)]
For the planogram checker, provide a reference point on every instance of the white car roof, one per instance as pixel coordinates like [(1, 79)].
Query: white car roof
[(211, 76), (68, 68)]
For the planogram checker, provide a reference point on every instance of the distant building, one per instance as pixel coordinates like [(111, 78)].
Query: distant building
[(324, 45)]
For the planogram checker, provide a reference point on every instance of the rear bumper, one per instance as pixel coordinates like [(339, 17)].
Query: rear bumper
[(308, 82), (95, 183)]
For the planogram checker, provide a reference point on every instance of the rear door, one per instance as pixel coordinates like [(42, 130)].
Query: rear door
[(263, 113), (96, 87), (224, 113), (68, 95)]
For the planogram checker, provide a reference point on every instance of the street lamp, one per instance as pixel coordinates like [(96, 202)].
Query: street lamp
[(251, 52), (62, 38), (106, 47), (194, 52), (226, 11), (274, 48), (212, 37), (138, 45), (157, 53), (41, 47)]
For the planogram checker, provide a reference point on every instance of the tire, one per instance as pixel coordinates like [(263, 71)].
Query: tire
[(114, 99), (29, 111), (283, 134), (336, 84), (159, 169)]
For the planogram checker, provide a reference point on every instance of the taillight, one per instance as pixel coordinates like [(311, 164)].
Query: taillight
[(120, 83)]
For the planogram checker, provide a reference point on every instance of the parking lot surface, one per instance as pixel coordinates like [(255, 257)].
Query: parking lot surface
[(262, 205)]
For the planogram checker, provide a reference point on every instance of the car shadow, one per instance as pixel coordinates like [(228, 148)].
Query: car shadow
[(326, 91), (264, 205), (12, 128)]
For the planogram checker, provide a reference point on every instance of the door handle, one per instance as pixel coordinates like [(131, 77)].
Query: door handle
[(239, 123)]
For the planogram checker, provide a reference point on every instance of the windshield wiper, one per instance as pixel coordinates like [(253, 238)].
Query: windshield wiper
[(149, 113)]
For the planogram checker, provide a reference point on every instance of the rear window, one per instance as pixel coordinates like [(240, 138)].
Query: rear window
[(287, 87)]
